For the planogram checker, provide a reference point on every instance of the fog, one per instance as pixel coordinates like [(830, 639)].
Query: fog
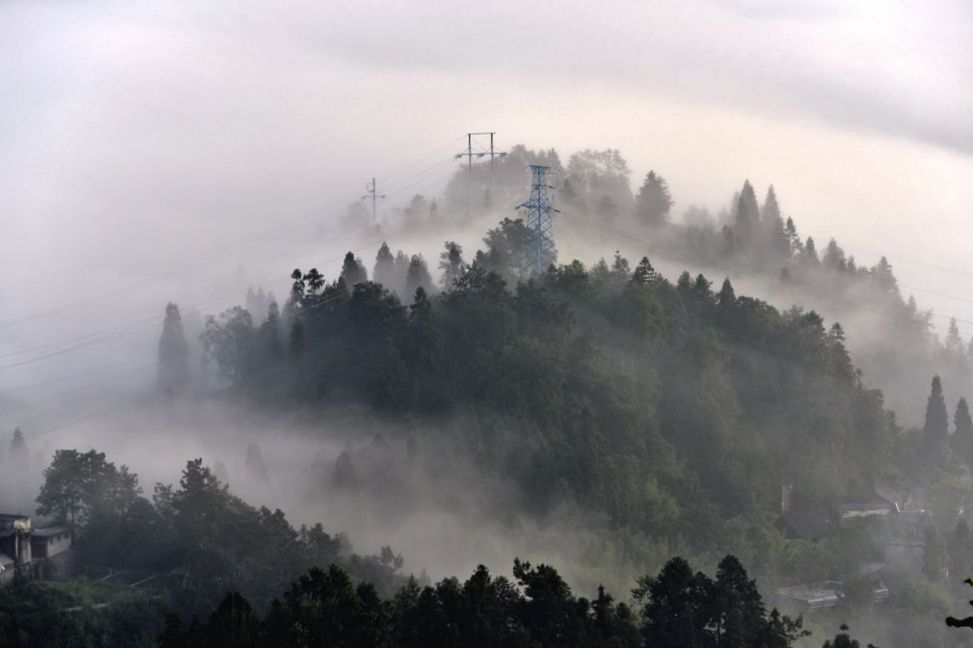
[(158, 152)]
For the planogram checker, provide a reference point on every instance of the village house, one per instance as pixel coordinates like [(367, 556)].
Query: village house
[(26, 552)]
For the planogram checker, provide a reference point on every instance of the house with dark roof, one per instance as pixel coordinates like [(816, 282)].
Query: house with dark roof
[(26, 552)]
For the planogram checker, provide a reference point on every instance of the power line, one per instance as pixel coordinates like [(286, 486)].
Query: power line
[(289, 227)]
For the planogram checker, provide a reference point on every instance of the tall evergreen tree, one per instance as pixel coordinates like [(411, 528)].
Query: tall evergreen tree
[(936, 428), (418, 276), (747, 214), (653, 202), (451, 264), (778, 242), (18, 448), (644, 273), (793, 240), (352, 271), (172, 373), (811, 252), (962, 439), (384, 271)]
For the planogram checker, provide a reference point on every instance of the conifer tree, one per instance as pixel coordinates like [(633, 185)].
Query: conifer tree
[(644, 273), (883, 275), (172, 374), (352, 271), (963, 432), (653, 202), (793, 240), (417, 276), (726, 297), (399, 274), (451, 264), (384, 271), (936, 428), (811, 252), (778, 241), (954, 343), (747, 215), (18, 448)]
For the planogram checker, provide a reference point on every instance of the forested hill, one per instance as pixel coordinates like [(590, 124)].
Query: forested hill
[(670, 407), (760, 236)]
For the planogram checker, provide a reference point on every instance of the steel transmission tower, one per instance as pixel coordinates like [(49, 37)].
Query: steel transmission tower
[(540, 218)]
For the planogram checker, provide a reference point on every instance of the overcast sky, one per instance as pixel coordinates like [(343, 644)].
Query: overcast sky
[(140, 137)]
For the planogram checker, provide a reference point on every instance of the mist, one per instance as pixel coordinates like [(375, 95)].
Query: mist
[(192, 266)]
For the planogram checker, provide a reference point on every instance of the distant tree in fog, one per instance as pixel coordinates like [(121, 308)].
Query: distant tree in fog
[(417, 276), (18, 448), (777, 241), (451, 264), (172, 374), (882, 273), (653, 202), (962, 439), (811, 252), (746, 214), (353, 271), (384, 267), (400, 269), (936, 428)]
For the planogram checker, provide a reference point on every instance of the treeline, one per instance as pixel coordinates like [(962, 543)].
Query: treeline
[(599, 203), (670, 407), (676, 609), (197, 532)]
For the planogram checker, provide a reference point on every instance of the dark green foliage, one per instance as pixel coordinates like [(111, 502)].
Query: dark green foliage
[(936, 428), (326, 608), (667, 407), (352, 271), (843, 640), (81, 486), (450, 263)]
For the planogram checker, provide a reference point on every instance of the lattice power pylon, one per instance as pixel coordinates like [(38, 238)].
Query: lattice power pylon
[(540, 218)]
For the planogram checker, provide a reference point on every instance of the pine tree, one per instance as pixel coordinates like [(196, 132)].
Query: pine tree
[(418, 276), (726, 297), (936, 428), (384, 271), (653, 202), (811, 252), (451, 264), (644, 273), (882, 273), (18, 448), (963, 432), (793, 240), (172, 374), (352, 271), (400, 271), (778, 241), (747, 214), (954, 343), (834, 257)]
